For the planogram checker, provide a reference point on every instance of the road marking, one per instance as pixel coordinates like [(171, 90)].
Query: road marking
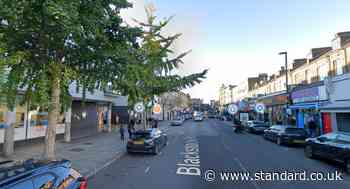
[(147, 169), (256, 186)]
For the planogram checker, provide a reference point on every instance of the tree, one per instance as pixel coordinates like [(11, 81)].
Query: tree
[(46, 45), (150, 73)]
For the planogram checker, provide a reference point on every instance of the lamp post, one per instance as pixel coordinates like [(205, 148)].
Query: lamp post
[(287, 86)]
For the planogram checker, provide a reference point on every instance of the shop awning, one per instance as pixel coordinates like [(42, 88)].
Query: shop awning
[(305, 106), (338, 106)]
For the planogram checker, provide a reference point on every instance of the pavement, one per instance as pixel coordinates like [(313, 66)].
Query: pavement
[(88, 155), (212, 147)]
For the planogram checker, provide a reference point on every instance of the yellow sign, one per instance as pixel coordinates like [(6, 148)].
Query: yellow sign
[(157, 109)]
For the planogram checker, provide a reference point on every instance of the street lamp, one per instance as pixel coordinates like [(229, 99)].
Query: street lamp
[(287, 86)]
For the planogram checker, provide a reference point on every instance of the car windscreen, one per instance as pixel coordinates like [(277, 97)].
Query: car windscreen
[(141, 135), (295, 131)]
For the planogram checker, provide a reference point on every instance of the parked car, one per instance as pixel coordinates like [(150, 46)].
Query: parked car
[(33, 174), (177, 122), (147, 141), (282, 134), (332, 146), (247, 124), (257, 128), (198, 117)]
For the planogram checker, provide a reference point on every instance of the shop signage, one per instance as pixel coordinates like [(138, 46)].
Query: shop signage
[(306, 95)]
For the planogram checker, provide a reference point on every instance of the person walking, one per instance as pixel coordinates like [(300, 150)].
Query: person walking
[(312, 127), (121, 130), (131, 127), (116, 120)]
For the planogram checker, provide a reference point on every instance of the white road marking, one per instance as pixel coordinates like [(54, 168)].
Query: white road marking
[(147, 169), (256, 186)]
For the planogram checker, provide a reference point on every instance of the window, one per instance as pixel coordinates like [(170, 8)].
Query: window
[(343, 122), (45, 181), (28, 184), (39, 119)]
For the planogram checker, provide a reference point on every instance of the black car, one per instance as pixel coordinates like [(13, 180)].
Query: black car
[(282, 134), (147, 141), (257, 128), (40, 174), (333, 146)]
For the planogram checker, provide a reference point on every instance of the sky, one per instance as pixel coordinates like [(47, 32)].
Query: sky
[(237, 39)]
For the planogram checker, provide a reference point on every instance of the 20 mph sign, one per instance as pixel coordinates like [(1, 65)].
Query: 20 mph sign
[(139, 107), (232, 109)]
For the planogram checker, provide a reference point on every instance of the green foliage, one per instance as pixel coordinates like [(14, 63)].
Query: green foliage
[(84, 40), (150, 73)]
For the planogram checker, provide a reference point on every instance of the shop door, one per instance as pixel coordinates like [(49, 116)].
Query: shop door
[(84, 119), (343, 122)]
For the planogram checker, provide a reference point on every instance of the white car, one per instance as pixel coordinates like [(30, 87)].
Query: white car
[(198, 118)]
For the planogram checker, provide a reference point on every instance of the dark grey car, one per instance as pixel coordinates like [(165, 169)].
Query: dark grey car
[(147, 141)]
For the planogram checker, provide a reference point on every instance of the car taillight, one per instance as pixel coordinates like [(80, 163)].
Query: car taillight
[(83, 183)]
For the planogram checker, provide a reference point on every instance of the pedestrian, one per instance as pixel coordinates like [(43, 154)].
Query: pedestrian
[(312, 127), (131, 127), (116, 120), (155, 123), (121, 130)]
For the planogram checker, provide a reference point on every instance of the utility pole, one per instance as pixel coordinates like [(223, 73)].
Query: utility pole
[(287, 85)]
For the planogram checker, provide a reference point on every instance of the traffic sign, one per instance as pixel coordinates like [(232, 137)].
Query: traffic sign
[(157, 109), (232, 109), (139, 107), (260, 108)]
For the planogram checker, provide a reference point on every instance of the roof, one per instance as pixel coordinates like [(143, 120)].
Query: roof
[(10, 170)]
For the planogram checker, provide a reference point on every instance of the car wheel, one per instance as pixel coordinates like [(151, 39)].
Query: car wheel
[(279, 141), (308, 152), (156, 150)]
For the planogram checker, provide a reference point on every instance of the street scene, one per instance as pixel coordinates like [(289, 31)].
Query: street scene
[(152, 94)]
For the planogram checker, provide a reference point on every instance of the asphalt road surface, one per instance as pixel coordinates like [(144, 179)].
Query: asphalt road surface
[(199, 153)]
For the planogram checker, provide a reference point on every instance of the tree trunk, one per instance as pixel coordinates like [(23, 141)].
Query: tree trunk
[(53, 113), (67, 133), (9, 134)]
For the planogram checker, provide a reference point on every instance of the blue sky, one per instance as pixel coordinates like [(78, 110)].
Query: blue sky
[(236, 39)]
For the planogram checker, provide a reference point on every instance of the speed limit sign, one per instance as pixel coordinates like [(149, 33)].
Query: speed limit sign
[(139, 107), (232, 109)]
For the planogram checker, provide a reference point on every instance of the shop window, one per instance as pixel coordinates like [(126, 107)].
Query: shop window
[(343, 122), (39, 119)]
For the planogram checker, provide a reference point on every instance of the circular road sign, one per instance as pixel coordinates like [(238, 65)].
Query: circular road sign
[(139, 107), (260, 108), (157, 109), (232, 109)]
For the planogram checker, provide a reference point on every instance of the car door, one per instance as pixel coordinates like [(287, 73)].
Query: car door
[(27, 184), (322, 145), (274, 132)]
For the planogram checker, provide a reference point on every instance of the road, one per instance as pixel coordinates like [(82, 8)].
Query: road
[(220, 150)]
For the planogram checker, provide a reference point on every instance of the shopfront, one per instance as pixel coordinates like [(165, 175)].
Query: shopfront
[(306, 103), (29, 124), (338, 107), (275, 104)]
